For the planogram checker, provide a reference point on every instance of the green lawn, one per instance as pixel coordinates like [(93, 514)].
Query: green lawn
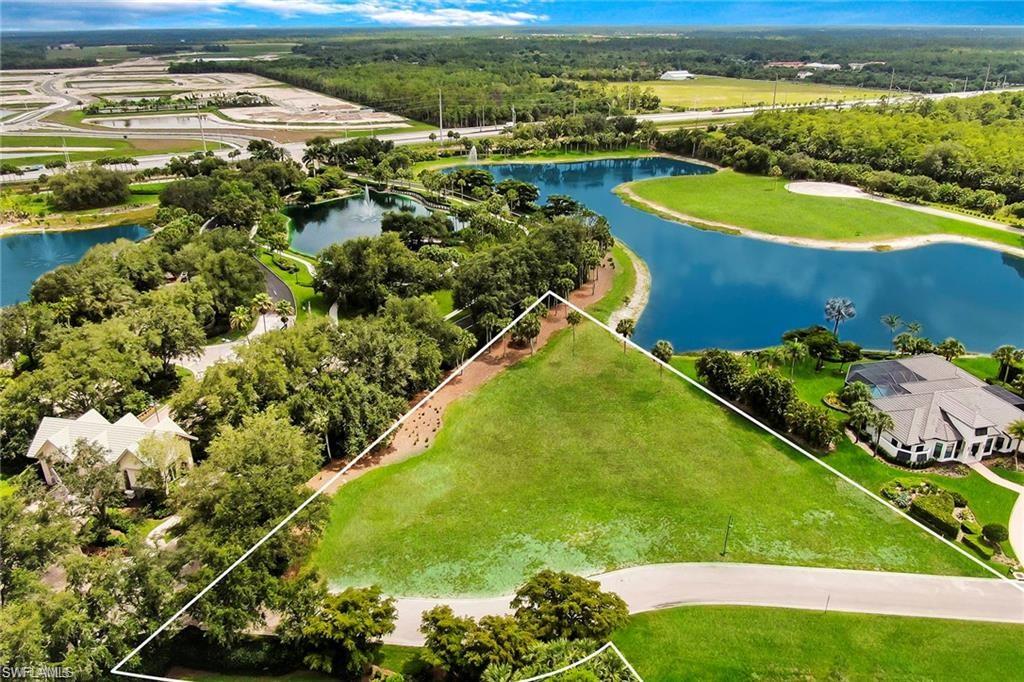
[(747, 643), (592, 460), (1010, 474), (307, 300), (763, 204), (6, 487), (706, 92), (113, 146), (622, 285), (444, 299)]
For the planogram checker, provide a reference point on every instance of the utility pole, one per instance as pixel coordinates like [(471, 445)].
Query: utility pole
[(775, 92), (892, 82), (629, 89), (513, 115), (202, 130), (728, 529), (67, 157), (988, 72), (440, 117), (965, 82)]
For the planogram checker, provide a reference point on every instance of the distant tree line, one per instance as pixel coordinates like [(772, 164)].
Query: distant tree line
[(966, 152)]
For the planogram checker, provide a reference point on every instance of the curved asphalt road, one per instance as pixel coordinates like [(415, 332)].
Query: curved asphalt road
[(662, 586)]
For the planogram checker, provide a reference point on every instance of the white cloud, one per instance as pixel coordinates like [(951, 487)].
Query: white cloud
[(384, 12)]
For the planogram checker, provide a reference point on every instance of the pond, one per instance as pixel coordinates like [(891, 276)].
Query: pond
[(320, 225), (24, 257), (713, 289), (162, 122)]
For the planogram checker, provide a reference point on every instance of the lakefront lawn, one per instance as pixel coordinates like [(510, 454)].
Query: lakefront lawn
[(763, 204)]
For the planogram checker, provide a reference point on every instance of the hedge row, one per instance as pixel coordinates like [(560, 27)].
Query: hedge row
[(936, 511)]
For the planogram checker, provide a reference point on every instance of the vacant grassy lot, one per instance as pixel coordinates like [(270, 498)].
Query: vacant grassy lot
[(745, 643), (763, 204), (708, 92), (592, 460), (112, 146)]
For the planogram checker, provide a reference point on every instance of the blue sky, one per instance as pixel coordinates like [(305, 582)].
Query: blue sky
[(98, 14)]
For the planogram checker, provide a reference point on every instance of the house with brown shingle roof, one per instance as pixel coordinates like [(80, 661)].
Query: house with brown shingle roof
[(940, 412)]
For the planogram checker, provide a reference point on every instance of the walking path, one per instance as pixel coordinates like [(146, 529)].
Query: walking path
[(1016, 514), (663, 586), (626, 192), (641, 292), (416, 434)]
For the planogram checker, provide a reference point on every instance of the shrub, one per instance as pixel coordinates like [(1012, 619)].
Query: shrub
[(970, 527), (812, 423), (722, 371), (936, 511), (959, 500), (768, 394), (855, 392), (974, 542), (995, 532)]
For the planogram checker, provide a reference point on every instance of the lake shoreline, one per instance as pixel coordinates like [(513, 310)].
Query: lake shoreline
[(630, 198)]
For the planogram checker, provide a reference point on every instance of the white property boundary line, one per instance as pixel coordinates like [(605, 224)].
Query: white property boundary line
[(455, 373), (790, 443), (319, 491)]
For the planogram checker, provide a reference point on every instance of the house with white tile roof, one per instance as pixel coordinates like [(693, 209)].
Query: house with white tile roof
[(940, 412), (56, 437)]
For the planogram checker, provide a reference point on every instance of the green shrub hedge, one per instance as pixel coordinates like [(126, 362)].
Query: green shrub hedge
[(978, 545), (936, 511)]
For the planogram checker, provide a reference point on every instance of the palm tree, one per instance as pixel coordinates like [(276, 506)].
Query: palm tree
[(240, 318), (261, 305), (861, 413), (950, 349), (794, 351), (464, 343), (892, 322), (489, 323), (284, 310), (1006, 356), (914, 329), (625, 328), (664, 351), (880, 421), (839, 310), (574, 318), (1016, 430)]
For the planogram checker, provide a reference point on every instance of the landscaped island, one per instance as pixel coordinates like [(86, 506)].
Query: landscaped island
[(757, 205)]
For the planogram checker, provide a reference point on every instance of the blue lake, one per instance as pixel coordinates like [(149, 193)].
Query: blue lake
[(24, 257), (713, 289), (319, 225)]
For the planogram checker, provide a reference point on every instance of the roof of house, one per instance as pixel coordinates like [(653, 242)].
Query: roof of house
[(929, 398), (115, 438)]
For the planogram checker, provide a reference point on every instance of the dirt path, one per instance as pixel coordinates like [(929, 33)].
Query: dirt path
[(626, 192), (641, 292), (417, 433)]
